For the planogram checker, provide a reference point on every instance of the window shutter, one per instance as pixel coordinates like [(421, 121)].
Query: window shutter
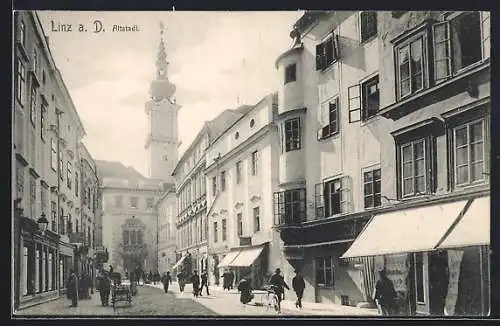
[(319, 56), (354, 97), (485, 33), (336, 47), (346, 194), (442, 50), (319, 200)]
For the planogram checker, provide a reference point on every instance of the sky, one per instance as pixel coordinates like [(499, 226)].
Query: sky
[(217, 61)]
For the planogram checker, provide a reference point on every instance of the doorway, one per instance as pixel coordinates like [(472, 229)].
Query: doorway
[(438, 281)]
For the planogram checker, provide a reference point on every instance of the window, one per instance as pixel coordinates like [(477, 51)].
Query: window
[(325, 272), (22, 33), (61, 166), (368, 22), (290, 206), (21, 81), (327, 52), (53, 216), (369, 105), (77, 184), (410, 67), (35, 61), (256, 219), (223, 181), (33, 197), (43, 117), (239, 224), (290, 73), (19, 180), (69, 176), (238, 172), (133, 202), (252, 123), (469, 153), (224, 229), (126, 237), (460, 42), (236, 135), (413, 168), (332, 197), (419, 278), (214, 186), (255, 163), (149, 202), (331, 128), (43, 199), (118, 201), (33, 105), (292, 135), (372, 189), (216, 236)]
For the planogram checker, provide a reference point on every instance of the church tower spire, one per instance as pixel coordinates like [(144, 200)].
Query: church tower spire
[(162, 141)]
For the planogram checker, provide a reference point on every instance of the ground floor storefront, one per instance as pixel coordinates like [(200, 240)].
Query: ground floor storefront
[(437, 256), (41, 267), (190, 260)]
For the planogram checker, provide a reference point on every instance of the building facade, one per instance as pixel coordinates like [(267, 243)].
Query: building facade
[(166, 208), (242, 175), (129, 221), (192, 221), (397, 125), (47, 133)]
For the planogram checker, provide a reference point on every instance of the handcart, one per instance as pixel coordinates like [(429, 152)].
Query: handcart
[(119, 292)]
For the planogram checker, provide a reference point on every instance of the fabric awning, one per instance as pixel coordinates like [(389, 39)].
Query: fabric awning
[(246, 257), (228, 259), (410, 230), (474, 227), (177, 264)]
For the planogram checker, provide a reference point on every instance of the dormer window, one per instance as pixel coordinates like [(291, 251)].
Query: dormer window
[(291, 73)]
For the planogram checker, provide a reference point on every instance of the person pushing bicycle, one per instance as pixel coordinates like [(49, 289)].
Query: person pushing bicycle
[(278, 284)]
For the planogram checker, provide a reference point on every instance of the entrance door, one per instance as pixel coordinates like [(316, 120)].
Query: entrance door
[(421, 274), (438, 281)]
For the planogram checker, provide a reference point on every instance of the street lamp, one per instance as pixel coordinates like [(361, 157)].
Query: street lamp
[(42, 223)]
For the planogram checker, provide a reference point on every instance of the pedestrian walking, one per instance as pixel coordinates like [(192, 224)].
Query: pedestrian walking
[(385, 294), (225, 280), (166, 280), (278, 283), (195, 280), (180, 280), (72, 288), (298, 286), (105, 288), (204, 282), (231, 279), (245, 288)]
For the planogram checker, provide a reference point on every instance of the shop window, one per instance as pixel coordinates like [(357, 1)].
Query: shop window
[(239, 224), (372, 191), (290, 73), (256, 219), (223, 181), (292, 135), (460, 42), (327, 52), (238, 172), (224, 229), (332, 197), (255, 163), (419, 278), (330, 116), (290, 206), (325, 274), (469, 153), (216, 236), (20, 82), (368, 23)]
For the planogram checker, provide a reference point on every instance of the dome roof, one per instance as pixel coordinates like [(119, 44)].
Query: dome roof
[(162, 88)]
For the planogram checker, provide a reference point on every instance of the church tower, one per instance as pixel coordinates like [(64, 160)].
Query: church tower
[(162, 142)]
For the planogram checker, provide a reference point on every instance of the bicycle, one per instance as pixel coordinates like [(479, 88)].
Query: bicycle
[(272, 299)]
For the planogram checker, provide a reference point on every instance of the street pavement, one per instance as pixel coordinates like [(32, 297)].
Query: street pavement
[(152, 301)]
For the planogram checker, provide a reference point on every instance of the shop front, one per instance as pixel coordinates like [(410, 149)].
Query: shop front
[(437, 256), (247, 262), (66, 262), (38, 263)]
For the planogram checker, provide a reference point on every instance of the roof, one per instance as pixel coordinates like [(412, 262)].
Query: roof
[(111, 169), (215, 128)]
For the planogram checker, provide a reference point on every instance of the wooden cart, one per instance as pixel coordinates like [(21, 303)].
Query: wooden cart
[(119, 291)]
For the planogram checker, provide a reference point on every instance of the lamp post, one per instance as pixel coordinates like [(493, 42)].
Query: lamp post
[(43, 223)]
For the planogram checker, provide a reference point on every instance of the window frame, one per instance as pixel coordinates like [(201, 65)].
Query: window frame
[(214, 185), (323, 61), (22, 32), (322, 135), (423, 35), (238, 172), (224, 229), (239, 224), (69, 174), (134, 199), (223, 181), (255, 162), (293, 136), (280, 206), (317, 269), (20, 82), (256, 219), (53, 155), (424, 288), (216, 236), (33, 101), (373, 193), (363, 38), (485, 143), (43, 117), (290, 73)]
